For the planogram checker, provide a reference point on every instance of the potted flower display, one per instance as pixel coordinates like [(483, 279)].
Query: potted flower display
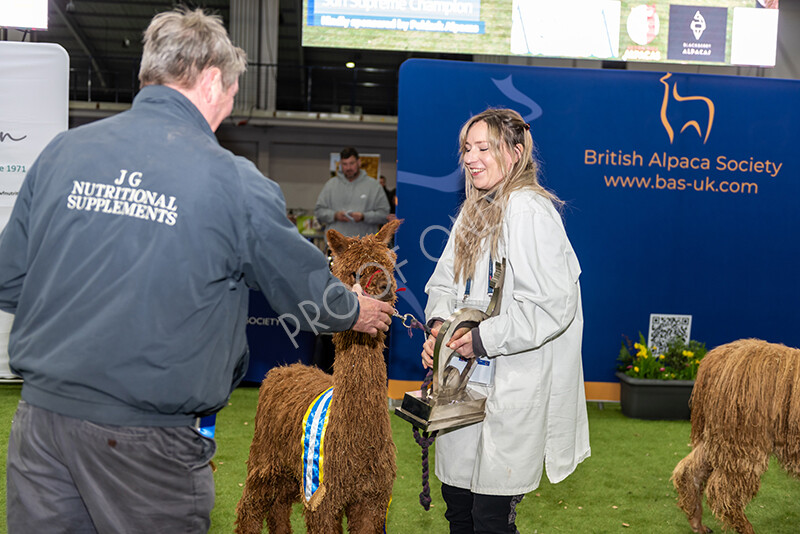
[(656, 383)]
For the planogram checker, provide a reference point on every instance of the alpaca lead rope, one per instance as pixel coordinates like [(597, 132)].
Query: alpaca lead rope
[(423, 439), (410, 322)]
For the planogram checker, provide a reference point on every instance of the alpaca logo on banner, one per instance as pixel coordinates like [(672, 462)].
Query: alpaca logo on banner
[(672, 100)]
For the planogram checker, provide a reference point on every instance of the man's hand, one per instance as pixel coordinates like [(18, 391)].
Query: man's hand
[(373, 314)]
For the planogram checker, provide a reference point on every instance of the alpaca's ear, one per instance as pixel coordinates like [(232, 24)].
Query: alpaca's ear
[(337, 242), (387, 231)]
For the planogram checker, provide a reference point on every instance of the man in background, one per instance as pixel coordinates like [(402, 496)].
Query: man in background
[(127, 261), (352, 202)]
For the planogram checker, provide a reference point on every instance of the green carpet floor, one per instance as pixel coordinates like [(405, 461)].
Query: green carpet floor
[(624, 487)]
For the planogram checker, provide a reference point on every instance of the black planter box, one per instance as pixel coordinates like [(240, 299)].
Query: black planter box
[(643, 398)]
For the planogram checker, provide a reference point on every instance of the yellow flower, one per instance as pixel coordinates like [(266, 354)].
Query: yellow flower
[(688, 353), (644, 356), (635, 369), (661, 356)]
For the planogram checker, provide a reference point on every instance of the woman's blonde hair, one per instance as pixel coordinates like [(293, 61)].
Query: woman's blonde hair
[(180, 44), (482, 212)]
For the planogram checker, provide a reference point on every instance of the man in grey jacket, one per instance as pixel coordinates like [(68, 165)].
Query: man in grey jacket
[(127, 261), (352, 202)]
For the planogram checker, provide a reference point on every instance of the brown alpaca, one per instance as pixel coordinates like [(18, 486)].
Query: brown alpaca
[(359, 455), (745, 407)]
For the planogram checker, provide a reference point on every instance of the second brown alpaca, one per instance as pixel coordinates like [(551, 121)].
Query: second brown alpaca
[(359, 454), (745, 408)]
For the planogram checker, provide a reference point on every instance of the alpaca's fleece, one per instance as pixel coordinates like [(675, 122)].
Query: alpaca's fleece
[(358, 449), (745, 407)]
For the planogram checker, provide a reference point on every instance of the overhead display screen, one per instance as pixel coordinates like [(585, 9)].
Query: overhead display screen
[(734, 32)]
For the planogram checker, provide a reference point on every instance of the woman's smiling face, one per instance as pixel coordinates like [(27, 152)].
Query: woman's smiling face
[(485, 170)]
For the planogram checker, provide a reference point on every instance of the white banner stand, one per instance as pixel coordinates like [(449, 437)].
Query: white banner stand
[(34, 107)]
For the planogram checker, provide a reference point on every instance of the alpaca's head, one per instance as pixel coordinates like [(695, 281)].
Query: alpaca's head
[(366, 260)]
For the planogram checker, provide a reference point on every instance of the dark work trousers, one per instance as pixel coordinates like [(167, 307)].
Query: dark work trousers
[(474, 513), (68, 476)]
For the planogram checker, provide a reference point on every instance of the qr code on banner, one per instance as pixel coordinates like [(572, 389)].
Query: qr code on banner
[(665, 328)]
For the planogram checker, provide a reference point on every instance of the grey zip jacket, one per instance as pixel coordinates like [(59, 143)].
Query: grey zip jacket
[(127, 262)]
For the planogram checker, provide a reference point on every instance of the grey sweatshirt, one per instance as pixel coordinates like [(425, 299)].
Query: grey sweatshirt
[(364, 195)]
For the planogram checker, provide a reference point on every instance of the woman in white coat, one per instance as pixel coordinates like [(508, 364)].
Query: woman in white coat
[(532, 374)]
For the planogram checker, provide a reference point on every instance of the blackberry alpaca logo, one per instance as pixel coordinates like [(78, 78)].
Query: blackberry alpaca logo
[(698, 26), (672, 99)]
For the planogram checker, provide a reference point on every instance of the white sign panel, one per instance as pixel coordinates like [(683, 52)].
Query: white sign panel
[(34, 107), (24, 14)]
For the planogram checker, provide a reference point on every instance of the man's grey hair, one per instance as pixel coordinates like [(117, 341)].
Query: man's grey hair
[(180, 44)]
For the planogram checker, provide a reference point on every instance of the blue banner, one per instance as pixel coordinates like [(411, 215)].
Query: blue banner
[(680, 190), (269, 343)]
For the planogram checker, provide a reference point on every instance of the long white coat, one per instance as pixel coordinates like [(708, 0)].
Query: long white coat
[(536, 406)]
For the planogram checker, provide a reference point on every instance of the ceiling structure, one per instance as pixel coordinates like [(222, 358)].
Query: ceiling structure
[(103, 39)]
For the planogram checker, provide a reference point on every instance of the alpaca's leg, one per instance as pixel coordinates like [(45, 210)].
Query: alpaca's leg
[(689, 478), (326, 519), (728, 494), (367, 517), (287, 491), (734, 483), (253, 506), (788, 455)]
